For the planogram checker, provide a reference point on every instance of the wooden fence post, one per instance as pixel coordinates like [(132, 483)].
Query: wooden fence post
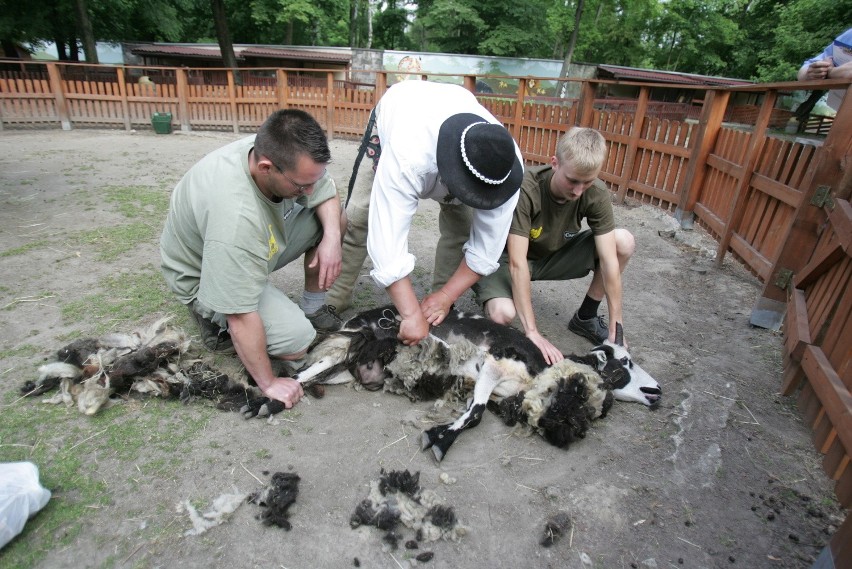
[(633, 144), (381, 84), (232, 99), (469, 83), (283, 88), (183, 99), (826, 178), (755, 146), (519, 110), (122, 91), (381, 87), (329, 105), (59, 94), (705, 134), (586, 104)]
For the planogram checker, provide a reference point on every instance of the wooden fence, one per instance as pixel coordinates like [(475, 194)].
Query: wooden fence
[(761, 193)]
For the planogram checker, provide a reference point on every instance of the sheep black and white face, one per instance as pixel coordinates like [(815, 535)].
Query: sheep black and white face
[(628, 381)]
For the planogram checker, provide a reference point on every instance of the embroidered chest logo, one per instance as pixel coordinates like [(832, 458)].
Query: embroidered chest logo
[(568, 235), (535, 232), (273, 245)]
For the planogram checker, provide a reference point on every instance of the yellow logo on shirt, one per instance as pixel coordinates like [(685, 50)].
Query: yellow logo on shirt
[(535, 232), (273, 245)]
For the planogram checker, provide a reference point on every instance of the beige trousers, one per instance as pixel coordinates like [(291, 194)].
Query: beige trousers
[(453, 224)]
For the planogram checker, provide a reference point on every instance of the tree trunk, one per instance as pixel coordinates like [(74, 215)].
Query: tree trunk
[(226, 47), (353, 23), (87, 36), (566, 63), (369, 24)]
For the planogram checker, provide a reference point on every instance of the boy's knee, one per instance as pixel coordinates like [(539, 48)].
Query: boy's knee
[(500, 310), (625, 244)]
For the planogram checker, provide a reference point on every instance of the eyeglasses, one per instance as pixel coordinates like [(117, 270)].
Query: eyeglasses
[(299, 187)]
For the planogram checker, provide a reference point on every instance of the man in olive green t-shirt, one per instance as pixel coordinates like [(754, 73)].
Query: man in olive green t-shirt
[(546, 242), (242, 212)]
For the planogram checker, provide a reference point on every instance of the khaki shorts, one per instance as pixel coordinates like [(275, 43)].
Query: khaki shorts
[(574, 260), (288, 331)]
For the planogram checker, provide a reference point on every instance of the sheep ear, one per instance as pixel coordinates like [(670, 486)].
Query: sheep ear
[(602, 358), (619, 334)]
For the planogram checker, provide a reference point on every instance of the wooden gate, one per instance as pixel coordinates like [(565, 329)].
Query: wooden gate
[(818, 356)]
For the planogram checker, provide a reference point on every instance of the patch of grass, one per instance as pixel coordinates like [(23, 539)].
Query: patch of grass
[(25, 351), (66, 446), (126, 298), (146, 206), (113, 242), (263, 453), (23, 248), (138, 201)]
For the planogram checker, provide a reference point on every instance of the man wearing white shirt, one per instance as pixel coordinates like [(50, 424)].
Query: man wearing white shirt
[(437, 142)]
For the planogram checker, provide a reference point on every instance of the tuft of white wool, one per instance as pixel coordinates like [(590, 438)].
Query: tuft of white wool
[(93, 396), (58, 370), (223, 506), (63, 395), (538, 397)]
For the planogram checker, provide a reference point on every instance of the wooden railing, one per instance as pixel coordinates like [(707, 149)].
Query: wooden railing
[(749, 186)]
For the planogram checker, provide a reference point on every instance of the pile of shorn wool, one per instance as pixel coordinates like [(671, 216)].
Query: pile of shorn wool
[(90, 372)]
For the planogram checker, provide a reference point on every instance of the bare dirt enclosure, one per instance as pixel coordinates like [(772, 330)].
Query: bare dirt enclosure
[(723, 474)]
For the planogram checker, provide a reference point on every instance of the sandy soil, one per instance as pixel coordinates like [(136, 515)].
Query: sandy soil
[(723, 474)]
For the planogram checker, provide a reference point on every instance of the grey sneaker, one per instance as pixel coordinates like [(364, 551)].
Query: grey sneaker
[(213, 337), (594, 329), (325, 319)]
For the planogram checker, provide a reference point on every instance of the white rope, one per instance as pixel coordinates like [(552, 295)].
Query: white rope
[(470, 167)]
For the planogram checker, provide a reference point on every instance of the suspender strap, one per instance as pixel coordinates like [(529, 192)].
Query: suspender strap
[(361, 151)]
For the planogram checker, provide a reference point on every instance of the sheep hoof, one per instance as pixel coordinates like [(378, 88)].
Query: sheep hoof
[(438, 453), (425, 440)]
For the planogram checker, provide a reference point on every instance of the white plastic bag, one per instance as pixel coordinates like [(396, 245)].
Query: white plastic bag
[(21, 496)]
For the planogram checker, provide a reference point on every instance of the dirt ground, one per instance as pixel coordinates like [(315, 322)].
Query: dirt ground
[(723, 474)]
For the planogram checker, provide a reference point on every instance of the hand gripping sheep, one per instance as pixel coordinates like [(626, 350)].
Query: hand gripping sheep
[(469, 353)]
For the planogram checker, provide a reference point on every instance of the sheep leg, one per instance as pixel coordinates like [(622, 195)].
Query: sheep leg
[(326, 362), (441, 437)]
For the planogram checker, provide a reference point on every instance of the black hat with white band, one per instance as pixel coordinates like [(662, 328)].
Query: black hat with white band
[(477, 161)]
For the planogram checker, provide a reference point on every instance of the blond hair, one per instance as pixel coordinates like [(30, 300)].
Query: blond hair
[(585, 148)]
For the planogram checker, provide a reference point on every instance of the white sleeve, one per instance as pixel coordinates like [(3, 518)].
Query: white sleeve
[(393, 203), (488, 233)]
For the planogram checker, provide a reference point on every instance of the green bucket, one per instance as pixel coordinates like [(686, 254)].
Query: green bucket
[(162, 123)]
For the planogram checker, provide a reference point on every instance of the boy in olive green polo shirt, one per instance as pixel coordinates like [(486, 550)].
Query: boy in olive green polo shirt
[(546, 242)]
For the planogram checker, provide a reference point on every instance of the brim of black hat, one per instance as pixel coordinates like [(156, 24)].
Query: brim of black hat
[(462, 184)]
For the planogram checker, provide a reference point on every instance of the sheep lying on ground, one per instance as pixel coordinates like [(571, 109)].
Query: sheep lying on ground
[(469, 354)]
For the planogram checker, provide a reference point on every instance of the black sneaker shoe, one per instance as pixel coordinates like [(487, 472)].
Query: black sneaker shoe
[(325, 319), (594, 329), (213, 337)]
